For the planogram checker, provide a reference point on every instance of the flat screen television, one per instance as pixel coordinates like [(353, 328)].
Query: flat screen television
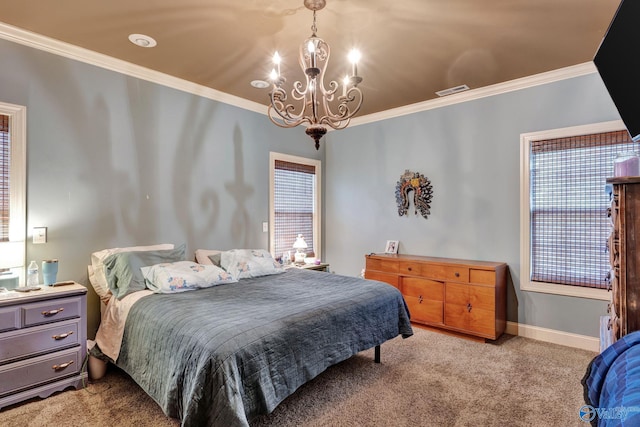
[(618, 63)]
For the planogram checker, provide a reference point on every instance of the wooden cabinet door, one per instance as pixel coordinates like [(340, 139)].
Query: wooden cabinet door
[(424, 298), (470, 308)]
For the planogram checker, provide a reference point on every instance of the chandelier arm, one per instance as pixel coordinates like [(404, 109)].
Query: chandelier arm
[(286, 116), (346, 109), (277, 120), (297, 92)]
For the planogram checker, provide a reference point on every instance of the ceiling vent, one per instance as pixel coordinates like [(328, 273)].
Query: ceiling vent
[(452, 90)]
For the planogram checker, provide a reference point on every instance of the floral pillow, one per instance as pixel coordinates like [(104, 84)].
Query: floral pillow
[(184, 276), (245, 263)]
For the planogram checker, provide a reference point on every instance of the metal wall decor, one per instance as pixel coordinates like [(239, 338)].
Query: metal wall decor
[(422, 193)]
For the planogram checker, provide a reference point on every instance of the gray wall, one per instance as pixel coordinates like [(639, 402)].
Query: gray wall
[(470, 152), (116, 161)]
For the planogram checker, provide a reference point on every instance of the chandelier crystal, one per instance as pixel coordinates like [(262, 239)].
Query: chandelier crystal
[(311, 102)]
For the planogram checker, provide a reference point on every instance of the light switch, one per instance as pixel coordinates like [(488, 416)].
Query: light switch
[(39, 235), (265, 227)]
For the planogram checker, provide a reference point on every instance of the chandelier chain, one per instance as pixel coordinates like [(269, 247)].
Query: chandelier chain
[(314, 29)]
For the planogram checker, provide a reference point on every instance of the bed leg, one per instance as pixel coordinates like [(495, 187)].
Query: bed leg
[(376, 356)]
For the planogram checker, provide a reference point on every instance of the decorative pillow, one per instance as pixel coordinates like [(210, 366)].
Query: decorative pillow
[(184, 276), (123, 273), (96, 272), (244, 263), (216, 259), (203, 256)]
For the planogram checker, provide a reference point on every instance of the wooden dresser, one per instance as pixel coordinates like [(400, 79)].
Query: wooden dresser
[(467, 297), (623, 254), (43, 337)]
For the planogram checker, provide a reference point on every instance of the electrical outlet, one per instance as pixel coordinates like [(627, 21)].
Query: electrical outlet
[(39, 235), (265, 227)]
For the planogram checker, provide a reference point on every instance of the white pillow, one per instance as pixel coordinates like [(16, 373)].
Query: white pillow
[(244, 263), (96, 273), (170, 277), (202, 256)]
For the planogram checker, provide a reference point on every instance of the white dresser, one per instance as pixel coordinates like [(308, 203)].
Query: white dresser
[(43, 337)]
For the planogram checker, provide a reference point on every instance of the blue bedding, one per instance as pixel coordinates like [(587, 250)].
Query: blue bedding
[(612, 385), (224, 355)]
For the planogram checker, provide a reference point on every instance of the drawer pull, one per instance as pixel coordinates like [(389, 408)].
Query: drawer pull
[(62, 336), (420, 299), (457, 274), (469, 307), (62, 366), (409, 268), (52, 312)]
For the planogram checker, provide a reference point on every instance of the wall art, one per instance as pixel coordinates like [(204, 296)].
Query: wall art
[(422, 193)]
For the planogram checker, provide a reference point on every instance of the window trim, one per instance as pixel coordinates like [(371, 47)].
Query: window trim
[(526, 284), (317, 217), (18, 177)]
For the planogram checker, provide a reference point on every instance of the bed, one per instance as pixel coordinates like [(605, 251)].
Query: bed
[(223, 355), (612, 385)]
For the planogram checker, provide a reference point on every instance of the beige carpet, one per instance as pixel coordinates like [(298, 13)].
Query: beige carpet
[(430, 379)]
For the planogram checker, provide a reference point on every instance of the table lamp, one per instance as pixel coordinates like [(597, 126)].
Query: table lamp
[(300, 245)]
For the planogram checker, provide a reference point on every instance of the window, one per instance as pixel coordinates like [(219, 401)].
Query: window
[(12, 185), (295, 203), (4, 178), (564, 222)]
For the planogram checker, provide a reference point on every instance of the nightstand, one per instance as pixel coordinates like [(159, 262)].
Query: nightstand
[(43, 339), (323, 266)]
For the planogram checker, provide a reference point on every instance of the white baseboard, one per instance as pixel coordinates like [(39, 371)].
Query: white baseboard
[(556, 337)]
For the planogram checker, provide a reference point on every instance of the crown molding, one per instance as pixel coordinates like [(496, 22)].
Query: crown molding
[(56, 47), (483, 92)]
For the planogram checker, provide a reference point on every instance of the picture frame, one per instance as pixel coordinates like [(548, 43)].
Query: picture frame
[(392, 247)]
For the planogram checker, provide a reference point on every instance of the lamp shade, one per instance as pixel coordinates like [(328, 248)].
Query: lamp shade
[(11, 254), (300, 243)]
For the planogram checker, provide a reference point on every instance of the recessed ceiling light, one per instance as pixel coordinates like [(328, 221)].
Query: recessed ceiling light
[(142, 40), (260, 84)]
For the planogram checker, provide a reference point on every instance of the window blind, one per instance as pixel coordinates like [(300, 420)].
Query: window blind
[(5, 162), (568, 217), (294, 203)]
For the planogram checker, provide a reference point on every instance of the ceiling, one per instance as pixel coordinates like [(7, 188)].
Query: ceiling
[(410, 48)]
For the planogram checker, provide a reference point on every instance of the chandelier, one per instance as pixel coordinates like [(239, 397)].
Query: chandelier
[(311, 102)]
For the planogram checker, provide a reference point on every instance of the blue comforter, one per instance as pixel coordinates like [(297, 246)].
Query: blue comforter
[(223, 355), (612, 385)]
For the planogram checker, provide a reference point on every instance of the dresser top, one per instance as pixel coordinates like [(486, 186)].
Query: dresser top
[(436, 260), (46, 292), (624, 180)]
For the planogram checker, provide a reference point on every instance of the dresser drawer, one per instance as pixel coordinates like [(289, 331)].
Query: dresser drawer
[(417, 287), (392, 279), (9, 318), (51, 311), (39, 339), (41, 369), (424, 310), (385, 265), (485, 277), (435, 271)]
